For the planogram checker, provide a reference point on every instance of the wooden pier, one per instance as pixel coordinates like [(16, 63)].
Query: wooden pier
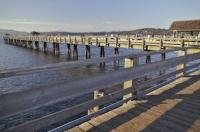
[(72, 42), (137, 106), (174, 107)]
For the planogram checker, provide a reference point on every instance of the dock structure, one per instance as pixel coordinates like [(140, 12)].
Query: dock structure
[(146, 44), (169, 100), (191, 27)]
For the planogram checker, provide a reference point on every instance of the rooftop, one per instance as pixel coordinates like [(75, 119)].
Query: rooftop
[(186, 25)]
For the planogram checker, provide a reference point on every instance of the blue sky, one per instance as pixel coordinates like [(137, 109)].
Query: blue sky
[(94, 15)]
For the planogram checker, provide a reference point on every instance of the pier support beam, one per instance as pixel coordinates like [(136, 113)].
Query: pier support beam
[(148, 59), (116, 51), (102, 51), (56, 48), (69, 50), (162, 58), (25, 44), (75, 51), (128, 63), (45, 47), (87, 52), (36, 45)]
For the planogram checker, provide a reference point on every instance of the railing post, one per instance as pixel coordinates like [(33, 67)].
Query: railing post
[(144, 47), (182, 43), (161, 44), (162, 58), (97, 94), (182, 65), (130, 63)]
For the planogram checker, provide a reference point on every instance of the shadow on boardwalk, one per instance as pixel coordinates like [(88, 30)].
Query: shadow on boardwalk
[(179, 117)]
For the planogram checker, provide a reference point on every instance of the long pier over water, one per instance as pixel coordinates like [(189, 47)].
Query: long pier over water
[(146, 44), (169, 101)]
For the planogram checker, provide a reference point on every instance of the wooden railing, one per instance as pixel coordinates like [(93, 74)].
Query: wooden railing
[(17, 102)]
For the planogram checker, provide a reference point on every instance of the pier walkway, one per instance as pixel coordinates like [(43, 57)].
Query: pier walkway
[(173, 107)]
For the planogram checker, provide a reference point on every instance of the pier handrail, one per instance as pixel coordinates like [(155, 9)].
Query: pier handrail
[(13, 103)]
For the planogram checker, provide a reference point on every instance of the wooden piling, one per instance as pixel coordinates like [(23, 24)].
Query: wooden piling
[(148, 59), (54, 47), (75, 51), (57, 49), (36, 45), (87, 52), (69, 50), (30, 44), (116, 50), (162, 58), (102, 51), (45, 47)]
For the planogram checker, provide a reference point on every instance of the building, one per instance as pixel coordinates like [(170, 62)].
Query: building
[(191, 27)]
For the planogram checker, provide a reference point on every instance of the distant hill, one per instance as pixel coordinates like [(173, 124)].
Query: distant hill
[(4, 31), (143, 31)]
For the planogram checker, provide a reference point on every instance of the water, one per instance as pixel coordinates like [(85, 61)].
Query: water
[(17, 57)]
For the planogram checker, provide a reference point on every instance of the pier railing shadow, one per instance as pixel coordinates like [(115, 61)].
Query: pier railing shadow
[(157, 99)]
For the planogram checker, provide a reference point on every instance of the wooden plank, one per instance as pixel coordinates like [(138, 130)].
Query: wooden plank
[(85, 126), (75, 129), (87, 117)]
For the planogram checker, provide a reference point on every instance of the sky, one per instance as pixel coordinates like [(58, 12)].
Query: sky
[(94, 15)]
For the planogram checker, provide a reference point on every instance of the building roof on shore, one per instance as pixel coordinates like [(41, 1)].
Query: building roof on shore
[(187, 25)]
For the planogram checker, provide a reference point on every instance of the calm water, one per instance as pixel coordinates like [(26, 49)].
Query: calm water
[(16, 57)]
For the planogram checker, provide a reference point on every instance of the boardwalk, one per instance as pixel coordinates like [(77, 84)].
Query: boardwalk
[(174, 107)]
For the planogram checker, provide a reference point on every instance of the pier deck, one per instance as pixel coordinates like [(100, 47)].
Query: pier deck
[(173, 107)]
